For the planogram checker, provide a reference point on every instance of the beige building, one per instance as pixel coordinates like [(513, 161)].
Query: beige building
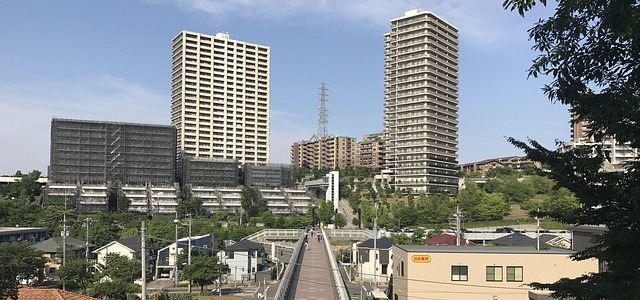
[(372, 151), (331, 152), (421, 102), (449, 272), (220, 95), (618, 153), (484, 166)]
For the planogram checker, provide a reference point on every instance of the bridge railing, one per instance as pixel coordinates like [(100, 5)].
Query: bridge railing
[(341, 289), (285, 282), (292, 234), (349, 234)]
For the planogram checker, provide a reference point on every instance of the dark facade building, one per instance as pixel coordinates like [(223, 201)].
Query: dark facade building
[(209, 172), (98, 152), (269, 176)]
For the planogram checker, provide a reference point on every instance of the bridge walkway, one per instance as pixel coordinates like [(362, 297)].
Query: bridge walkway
[(312, 279)]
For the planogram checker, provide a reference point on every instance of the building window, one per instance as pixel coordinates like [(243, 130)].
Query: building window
[(230, 255), (402, 269), (494, 273), (514, 274), (384, 269), (459, 273)]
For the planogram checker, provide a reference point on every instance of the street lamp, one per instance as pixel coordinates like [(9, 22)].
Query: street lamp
[(313, 215), (176, 221)]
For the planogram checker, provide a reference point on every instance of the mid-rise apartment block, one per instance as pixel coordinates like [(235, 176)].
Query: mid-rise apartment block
[(220, 97), (372, 151), (421, 103), (98, 152), (619, 153), (330, 152)]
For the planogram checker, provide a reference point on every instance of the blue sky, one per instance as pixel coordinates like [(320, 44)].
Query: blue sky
[(110, 60)]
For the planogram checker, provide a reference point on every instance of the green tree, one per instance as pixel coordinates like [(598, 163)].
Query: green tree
[(591, 50), (192, 206), (104, 230), (27, 189), (480, 206), (120, 268), (339, 221), (75, 274), (542, 185), (325, 212), (114, 290), (18, 261), (269, 219), (502, 172), (122, 202), (401, 239), (203, 269)]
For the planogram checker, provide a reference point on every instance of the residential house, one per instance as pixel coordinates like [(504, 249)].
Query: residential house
[(244, 259), (130, 248), (168, 255), (446, 272), (52, 251), (379, 271), (515, 239)]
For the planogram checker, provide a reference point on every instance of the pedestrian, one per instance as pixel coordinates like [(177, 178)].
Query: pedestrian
[(306, 245), (319, 237), (311, 232)]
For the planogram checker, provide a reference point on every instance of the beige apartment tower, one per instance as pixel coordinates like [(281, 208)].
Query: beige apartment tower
[(421, 103), (220, 97)]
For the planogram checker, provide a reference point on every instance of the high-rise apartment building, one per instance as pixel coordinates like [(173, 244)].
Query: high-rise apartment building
[(421, 103), (220, 95)]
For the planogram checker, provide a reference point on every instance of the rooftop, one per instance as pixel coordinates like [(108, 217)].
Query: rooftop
[(25, 293), (481, 249)]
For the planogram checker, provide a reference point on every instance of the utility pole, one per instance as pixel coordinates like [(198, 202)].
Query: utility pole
[(458, 225), (64, 235), (538, 230), (189, 253), (86, 243), (175, 256), (144, 262), (375, 249)]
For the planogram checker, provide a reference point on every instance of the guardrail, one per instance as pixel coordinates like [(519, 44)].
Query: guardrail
[(285, 282), (349, 234), (275, 234), (335, 272)]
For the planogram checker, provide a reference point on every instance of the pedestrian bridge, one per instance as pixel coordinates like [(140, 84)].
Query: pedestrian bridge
[(312, 272)]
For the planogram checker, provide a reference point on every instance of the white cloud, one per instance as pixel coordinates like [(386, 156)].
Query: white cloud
[(482, 22), (27, 111)]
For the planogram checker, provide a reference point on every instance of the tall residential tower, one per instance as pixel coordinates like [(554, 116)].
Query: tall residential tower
[(421, 103), (220, 95)]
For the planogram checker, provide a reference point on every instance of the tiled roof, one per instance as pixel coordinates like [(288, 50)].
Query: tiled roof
[(25, 293), (244, 245), (447, 239), (381, 243), (515, 239), (53, 244)]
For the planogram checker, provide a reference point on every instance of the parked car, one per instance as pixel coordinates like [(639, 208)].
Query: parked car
[(505, 230)]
